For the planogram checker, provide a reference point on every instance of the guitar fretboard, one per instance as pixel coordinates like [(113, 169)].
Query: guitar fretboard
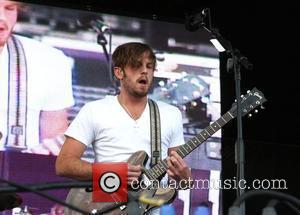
[(156, 172)]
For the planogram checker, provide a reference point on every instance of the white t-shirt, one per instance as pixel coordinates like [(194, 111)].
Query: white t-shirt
[(115, 136), (49, 85)]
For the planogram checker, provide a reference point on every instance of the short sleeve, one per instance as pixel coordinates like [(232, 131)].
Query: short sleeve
[(82, 128)]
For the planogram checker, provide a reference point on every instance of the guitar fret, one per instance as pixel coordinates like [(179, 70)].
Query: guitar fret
[(204, 133), (227, 116), (202, 137), (184, 149), (187, 149), (209, 130), (223, 120), (149, 173), (188, 144), (161, 166), (158, 166), (164, 162), (154, 174), (217, 124), (194, 142), (231, 114), (212, 128), (180, 152), (157, 170)]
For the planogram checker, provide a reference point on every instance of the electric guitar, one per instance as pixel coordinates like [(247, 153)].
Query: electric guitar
[(83, 199)]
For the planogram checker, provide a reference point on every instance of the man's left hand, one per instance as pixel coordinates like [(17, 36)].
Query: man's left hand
[(177, 167)]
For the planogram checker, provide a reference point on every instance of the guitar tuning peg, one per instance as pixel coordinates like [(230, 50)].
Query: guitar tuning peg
[(242, 96), (255, 111), (249, 115), (235, 100), (262, 107), (248, 91)]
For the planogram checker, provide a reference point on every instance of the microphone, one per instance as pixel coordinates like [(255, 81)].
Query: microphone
[(9, 201), (195, 21), (98, 24), (94, 23)]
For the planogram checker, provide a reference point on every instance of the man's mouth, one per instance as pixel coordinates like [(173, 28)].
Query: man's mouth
[(143, 81), (2, 28)]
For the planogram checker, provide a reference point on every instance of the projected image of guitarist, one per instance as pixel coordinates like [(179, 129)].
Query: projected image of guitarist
[(119, 128)]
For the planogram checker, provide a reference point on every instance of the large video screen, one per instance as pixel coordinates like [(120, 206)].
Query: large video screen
[(58, 59)]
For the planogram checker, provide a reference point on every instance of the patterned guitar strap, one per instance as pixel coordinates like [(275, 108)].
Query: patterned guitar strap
[(17, 96), (155, 132)]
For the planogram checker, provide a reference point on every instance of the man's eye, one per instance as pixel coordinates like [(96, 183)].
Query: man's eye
[(11, 7), (150, 66)]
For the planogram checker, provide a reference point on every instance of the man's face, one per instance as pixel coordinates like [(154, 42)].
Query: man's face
[(8, 18), (137, 81)]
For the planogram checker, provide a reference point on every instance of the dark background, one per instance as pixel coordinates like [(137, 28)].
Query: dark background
[(266, 34)]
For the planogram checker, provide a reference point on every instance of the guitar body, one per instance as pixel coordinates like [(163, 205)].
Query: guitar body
[(82, 198)]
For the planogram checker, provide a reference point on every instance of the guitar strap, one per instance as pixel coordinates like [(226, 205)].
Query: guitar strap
[(17, 95), (155, 132)]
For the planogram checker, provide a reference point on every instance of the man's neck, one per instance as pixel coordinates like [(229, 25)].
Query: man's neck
[(132, 101), (1, 48)]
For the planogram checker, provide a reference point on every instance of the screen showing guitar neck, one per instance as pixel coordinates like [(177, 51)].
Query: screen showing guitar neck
[(57, 59)]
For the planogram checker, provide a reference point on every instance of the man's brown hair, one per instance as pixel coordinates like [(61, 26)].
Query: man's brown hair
[(129, 54)]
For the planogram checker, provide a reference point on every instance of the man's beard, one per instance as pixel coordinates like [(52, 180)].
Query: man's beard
[(136, 93), (4, 38)]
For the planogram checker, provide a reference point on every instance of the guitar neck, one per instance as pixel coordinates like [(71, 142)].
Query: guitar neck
[(161, 167)]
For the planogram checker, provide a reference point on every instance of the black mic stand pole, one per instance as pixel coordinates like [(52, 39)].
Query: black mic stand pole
[(101, 40), (234, 63), (239, 144)]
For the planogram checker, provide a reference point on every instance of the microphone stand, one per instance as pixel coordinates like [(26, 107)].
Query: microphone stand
[(101, 40), (234, 64)]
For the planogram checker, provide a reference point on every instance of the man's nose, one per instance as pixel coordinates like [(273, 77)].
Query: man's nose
[(145, 70)]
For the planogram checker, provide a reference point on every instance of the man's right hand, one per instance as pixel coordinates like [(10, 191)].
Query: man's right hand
[(134, 172)]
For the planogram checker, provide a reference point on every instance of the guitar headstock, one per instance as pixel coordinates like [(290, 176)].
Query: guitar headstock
[(250, 101)]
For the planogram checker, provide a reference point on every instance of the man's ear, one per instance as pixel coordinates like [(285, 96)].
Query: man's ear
[(118, 73)]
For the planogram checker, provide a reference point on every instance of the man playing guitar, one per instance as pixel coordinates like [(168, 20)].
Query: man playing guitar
[(118, 126)]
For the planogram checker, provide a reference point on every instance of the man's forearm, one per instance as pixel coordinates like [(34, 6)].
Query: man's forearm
[(74, 168)]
